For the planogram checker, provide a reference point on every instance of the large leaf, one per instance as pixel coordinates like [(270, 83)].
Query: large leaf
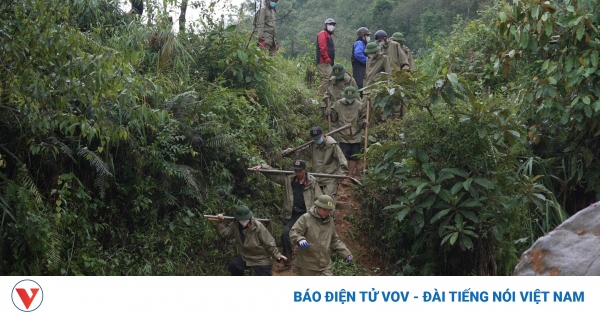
[(465, 242), (456, 171), (439, 215), (470, 215), (456, 188), (484, 182), (429, 171), (467, 184), (453, 78), (400, 215), (471, 203)]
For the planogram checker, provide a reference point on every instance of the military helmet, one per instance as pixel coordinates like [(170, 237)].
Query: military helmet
[(338, 71), (330, 21), (326, 202), (371, 48), (399, 37), (350, 93), (362, 31), (380, 34), (242, 213)]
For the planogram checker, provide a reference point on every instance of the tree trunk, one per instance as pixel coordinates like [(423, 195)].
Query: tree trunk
[(184, 4)]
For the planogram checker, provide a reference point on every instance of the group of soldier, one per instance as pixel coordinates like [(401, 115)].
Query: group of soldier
[(370, 60), (307, 208), (309, 201)]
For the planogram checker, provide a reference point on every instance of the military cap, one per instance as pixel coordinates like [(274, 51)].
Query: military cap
[(399, 37), (242, 213), (316, 132), (338, 71), (371, 48), (299, 165), (326, 202), (350, 93)]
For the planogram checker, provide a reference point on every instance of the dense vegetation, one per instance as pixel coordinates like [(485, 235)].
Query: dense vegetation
[(500, 143), (117, 134)]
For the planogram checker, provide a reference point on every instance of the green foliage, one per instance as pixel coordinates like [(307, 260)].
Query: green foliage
[(453, 186), (560, 40), (118, 136)]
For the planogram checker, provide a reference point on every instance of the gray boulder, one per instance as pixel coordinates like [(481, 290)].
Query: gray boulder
[(572, 249)]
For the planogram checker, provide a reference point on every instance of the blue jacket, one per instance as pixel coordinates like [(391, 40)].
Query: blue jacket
[(359, 52)]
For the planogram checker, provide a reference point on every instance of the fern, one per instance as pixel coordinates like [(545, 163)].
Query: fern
[(101, 166), (24, 180), (53, 253), (63, 148), (220, 140), (182, 104), (182, 171), (101, 184)]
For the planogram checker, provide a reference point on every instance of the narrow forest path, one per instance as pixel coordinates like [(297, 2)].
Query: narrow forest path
[(348, 212)]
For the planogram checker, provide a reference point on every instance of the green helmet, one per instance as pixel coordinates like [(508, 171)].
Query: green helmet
[(242, 213), (350, 93), (338, 71), (362, 31), (326, 202), (371, 48), (399, 37)]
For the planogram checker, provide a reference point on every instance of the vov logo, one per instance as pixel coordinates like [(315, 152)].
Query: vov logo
[(27, 295)]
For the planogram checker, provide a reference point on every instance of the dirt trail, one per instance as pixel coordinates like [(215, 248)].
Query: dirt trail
[(348, 210)]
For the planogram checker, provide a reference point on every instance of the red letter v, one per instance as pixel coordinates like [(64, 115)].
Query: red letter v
[(25, 297)]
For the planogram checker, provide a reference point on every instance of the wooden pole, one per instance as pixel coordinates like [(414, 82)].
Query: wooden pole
[(328, 115), (367, 129), (306, 144), (354, 180)]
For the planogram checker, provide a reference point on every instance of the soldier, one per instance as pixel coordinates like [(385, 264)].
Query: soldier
[(377, 65), (397, 57), (327, 158), (325, 54), (253, 242), (315, 233), (349, 110), (359, 58), (267, 34), (339, 80), (301, 190), (399, 37), (393, 50)]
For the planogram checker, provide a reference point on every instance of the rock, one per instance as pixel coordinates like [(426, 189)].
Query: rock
[(572, 249)]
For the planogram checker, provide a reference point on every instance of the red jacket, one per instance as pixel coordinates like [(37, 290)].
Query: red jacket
[(325, 49)]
